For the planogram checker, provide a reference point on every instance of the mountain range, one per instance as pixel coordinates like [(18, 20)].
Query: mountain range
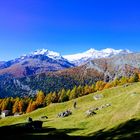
[(34, 63), (43, 60), (49, 71), (81, 58)]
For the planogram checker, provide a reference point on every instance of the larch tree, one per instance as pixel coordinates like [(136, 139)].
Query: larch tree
[(54, 98), (48, 98), (63, 96), (40, 99), (16, 106), (73, 93), (29, 108)]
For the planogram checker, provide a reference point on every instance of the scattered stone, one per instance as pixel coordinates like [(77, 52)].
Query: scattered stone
[(126, 85), (64, 114), (90, 113), (44, 117), (98, 97), (104, 106), (17, 114)]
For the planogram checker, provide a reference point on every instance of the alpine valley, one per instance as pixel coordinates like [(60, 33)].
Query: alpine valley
[(49, 71)]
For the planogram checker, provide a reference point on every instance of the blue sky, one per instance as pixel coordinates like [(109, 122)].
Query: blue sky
[(68, 26)]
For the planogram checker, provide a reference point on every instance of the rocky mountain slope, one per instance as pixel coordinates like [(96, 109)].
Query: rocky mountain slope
[(98, 69), (37, 62), (43, 60)]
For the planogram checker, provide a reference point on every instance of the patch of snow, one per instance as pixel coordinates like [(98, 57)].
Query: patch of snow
[(50, 54), (93, 54)]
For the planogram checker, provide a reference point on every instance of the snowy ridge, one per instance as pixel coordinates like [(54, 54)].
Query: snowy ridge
[(45, 52), (93, 54), (76, 59), (50, 54)]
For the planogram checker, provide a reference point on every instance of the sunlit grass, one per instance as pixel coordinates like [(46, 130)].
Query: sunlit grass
[(125, 105)]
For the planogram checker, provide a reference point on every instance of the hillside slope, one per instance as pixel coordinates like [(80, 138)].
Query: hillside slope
[(106, 69), (121, 120)]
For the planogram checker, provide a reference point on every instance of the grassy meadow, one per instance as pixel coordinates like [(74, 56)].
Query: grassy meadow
[(121, 120)]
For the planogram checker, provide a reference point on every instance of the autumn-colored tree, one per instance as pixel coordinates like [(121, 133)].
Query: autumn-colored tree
[(73, 93), (29, 108), (63, 96), (16, 106), (115, 82), (40, 99), (131, 79), (92, 88), (48, 98), (99, 85), (80, 91), (68, 93), (6, 104), (33, 106), (139, 76), (54, 97), (1, 104), (87, 90), (123, 80), (136, 77), (108, 85), (22, 106)]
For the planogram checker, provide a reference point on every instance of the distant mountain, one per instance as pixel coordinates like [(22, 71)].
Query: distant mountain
[(43, 60), (97, 69), (36, 62), (84, 57)]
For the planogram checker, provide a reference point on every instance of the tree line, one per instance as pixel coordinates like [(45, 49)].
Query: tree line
[(28, 104)]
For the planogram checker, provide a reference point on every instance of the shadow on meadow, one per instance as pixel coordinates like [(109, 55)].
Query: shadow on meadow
[(129, 130)]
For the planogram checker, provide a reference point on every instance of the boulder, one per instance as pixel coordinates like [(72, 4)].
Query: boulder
[(43, 117), (98, 97), (90, 113), (64, 114)]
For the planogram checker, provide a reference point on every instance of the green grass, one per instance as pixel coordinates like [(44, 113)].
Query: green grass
[(110, 122)]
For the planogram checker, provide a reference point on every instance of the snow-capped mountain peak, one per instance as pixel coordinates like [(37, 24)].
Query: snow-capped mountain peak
[(43, 52), (113, 51), (93, 54), (46, 52), (91, 50)]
